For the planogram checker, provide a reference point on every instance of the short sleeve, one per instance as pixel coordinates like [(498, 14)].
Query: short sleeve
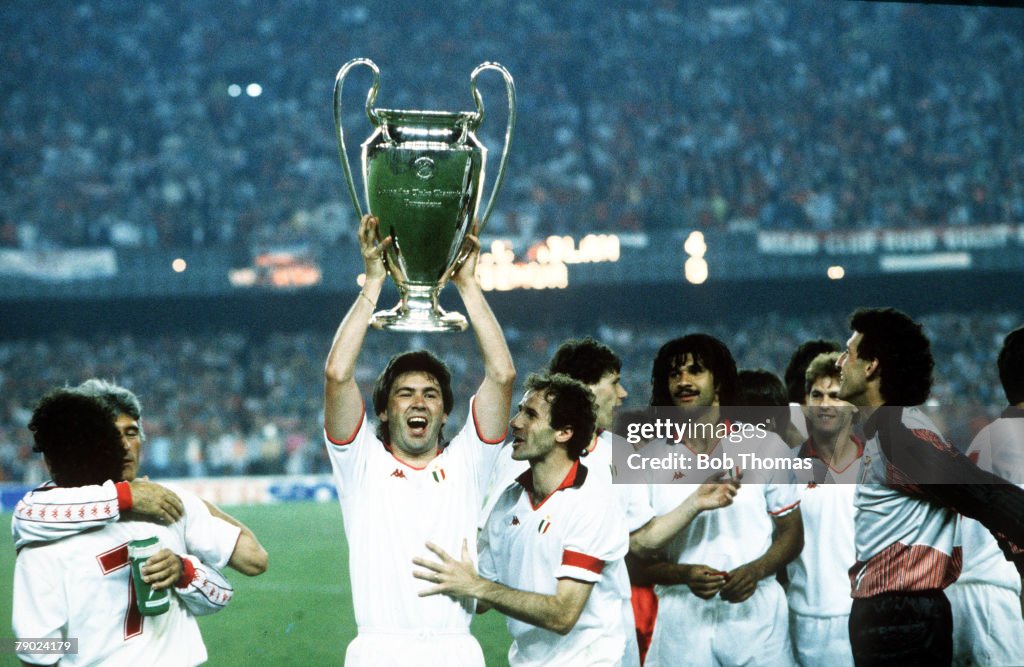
[(595, 536), (207, 537)]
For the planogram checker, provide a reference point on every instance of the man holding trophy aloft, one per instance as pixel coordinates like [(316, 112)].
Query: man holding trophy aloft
[(402, 485)]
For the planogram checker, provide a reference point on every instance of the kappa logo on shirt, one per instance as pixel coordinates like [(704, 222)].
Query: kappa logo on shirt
[(678, 475), (399, 473), (812, 485), (515, 521)]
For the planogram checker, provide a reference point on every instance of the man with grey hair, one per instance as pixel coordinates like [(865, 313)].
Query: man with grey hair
[(35, 520)]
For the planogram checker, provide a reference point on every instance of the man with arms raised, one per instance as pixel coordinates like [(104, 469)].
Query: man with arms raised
[(552, 548), (403, 485), (913, 485)]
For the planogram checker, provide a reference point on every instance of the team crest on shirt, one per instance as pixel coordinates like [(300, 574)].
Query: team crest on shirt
[(544, 525), (437, 472)]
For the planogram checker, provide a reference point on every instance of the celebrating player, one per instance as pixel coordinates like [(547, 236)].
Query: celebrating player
[(404, 486), (913, 483), (986, 600), (819, 589), (716, 576), (551, 551), (40, 516), (80, 587)]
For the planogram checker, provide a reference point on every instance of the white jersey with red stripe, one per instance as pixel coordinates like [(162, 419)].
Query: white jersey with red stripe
[(904, 542), (80, 586), (631, 498), (391, 510), (741, 532), (576, 533), (723, 539), (630, 501)]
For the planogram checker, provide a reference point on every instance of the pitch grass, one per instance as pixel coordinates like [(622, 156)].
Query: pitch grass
[(300, 611)]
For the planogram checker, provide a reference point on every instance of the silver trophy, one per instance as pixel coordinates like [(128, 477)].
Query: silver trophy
[(423, 172)]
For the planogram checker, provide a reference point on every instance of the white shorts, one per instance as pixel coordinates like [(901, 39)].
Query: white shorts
[(987, 625), (692, 631), (387, 649), (821, 640)]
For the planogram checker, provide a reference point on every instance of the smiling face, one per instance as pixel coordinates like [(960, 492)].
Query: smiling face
[(691, 384), (826, 413), (608, 395), (415, 413)]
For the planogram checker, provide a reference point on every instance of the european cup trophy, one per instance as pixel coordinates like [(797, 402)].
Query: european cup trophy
[(423, 173)]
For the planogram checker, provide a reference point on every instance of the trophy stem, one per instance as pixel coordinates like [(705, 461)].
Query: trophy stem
[(419, 310)]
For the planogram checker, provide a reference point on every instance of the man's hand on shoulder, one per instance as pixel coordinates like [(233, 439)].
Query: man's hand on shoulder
[(155, 501)]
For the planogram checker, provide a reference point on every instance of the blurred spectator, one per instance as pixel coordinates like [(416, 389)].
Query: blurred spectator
[(138, 124), (232, 404)]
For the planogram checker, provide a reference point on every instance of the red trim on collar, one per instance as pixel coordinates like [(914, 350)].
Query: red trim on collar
[(387, 448), (526, 481), (809, 450)]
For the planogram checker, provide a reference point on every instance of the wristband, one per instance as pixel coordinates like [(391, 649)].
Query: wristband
[(188, 573), (124, 496)]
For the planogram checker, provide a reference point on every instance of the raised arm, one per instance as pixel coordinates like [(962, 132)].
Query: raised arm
[(343, 404), (494, 397)]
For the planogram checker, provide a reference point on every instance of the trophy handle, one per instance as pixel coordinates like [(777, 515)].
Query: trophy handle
[(371, 113), (510, 88)]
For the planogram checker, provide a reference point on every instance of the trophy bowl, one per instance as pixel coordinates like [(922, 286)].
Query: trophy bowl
[(423, 173)]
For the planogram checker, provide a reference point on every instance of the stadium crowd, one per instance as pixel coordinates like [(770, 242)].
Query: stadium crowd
[(118, 128), (231, 404)]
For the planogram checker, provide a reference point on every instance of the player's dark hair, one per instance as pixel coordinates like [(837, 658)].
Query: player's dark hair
[(821, 366), (585, 359), (902, 350), (706, 350), (119, 399), (77, 435), (1011, 366), (420, 361), (795, 371), (761, 396), (572, 406)]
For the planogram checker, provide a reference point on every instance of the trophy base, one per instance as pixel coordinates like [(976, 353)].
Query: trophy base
[(419, 311)]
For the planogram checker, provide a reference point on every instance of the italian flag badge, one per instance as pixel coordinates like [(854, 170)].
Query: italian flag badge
[(544, 525), (438, 475)]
